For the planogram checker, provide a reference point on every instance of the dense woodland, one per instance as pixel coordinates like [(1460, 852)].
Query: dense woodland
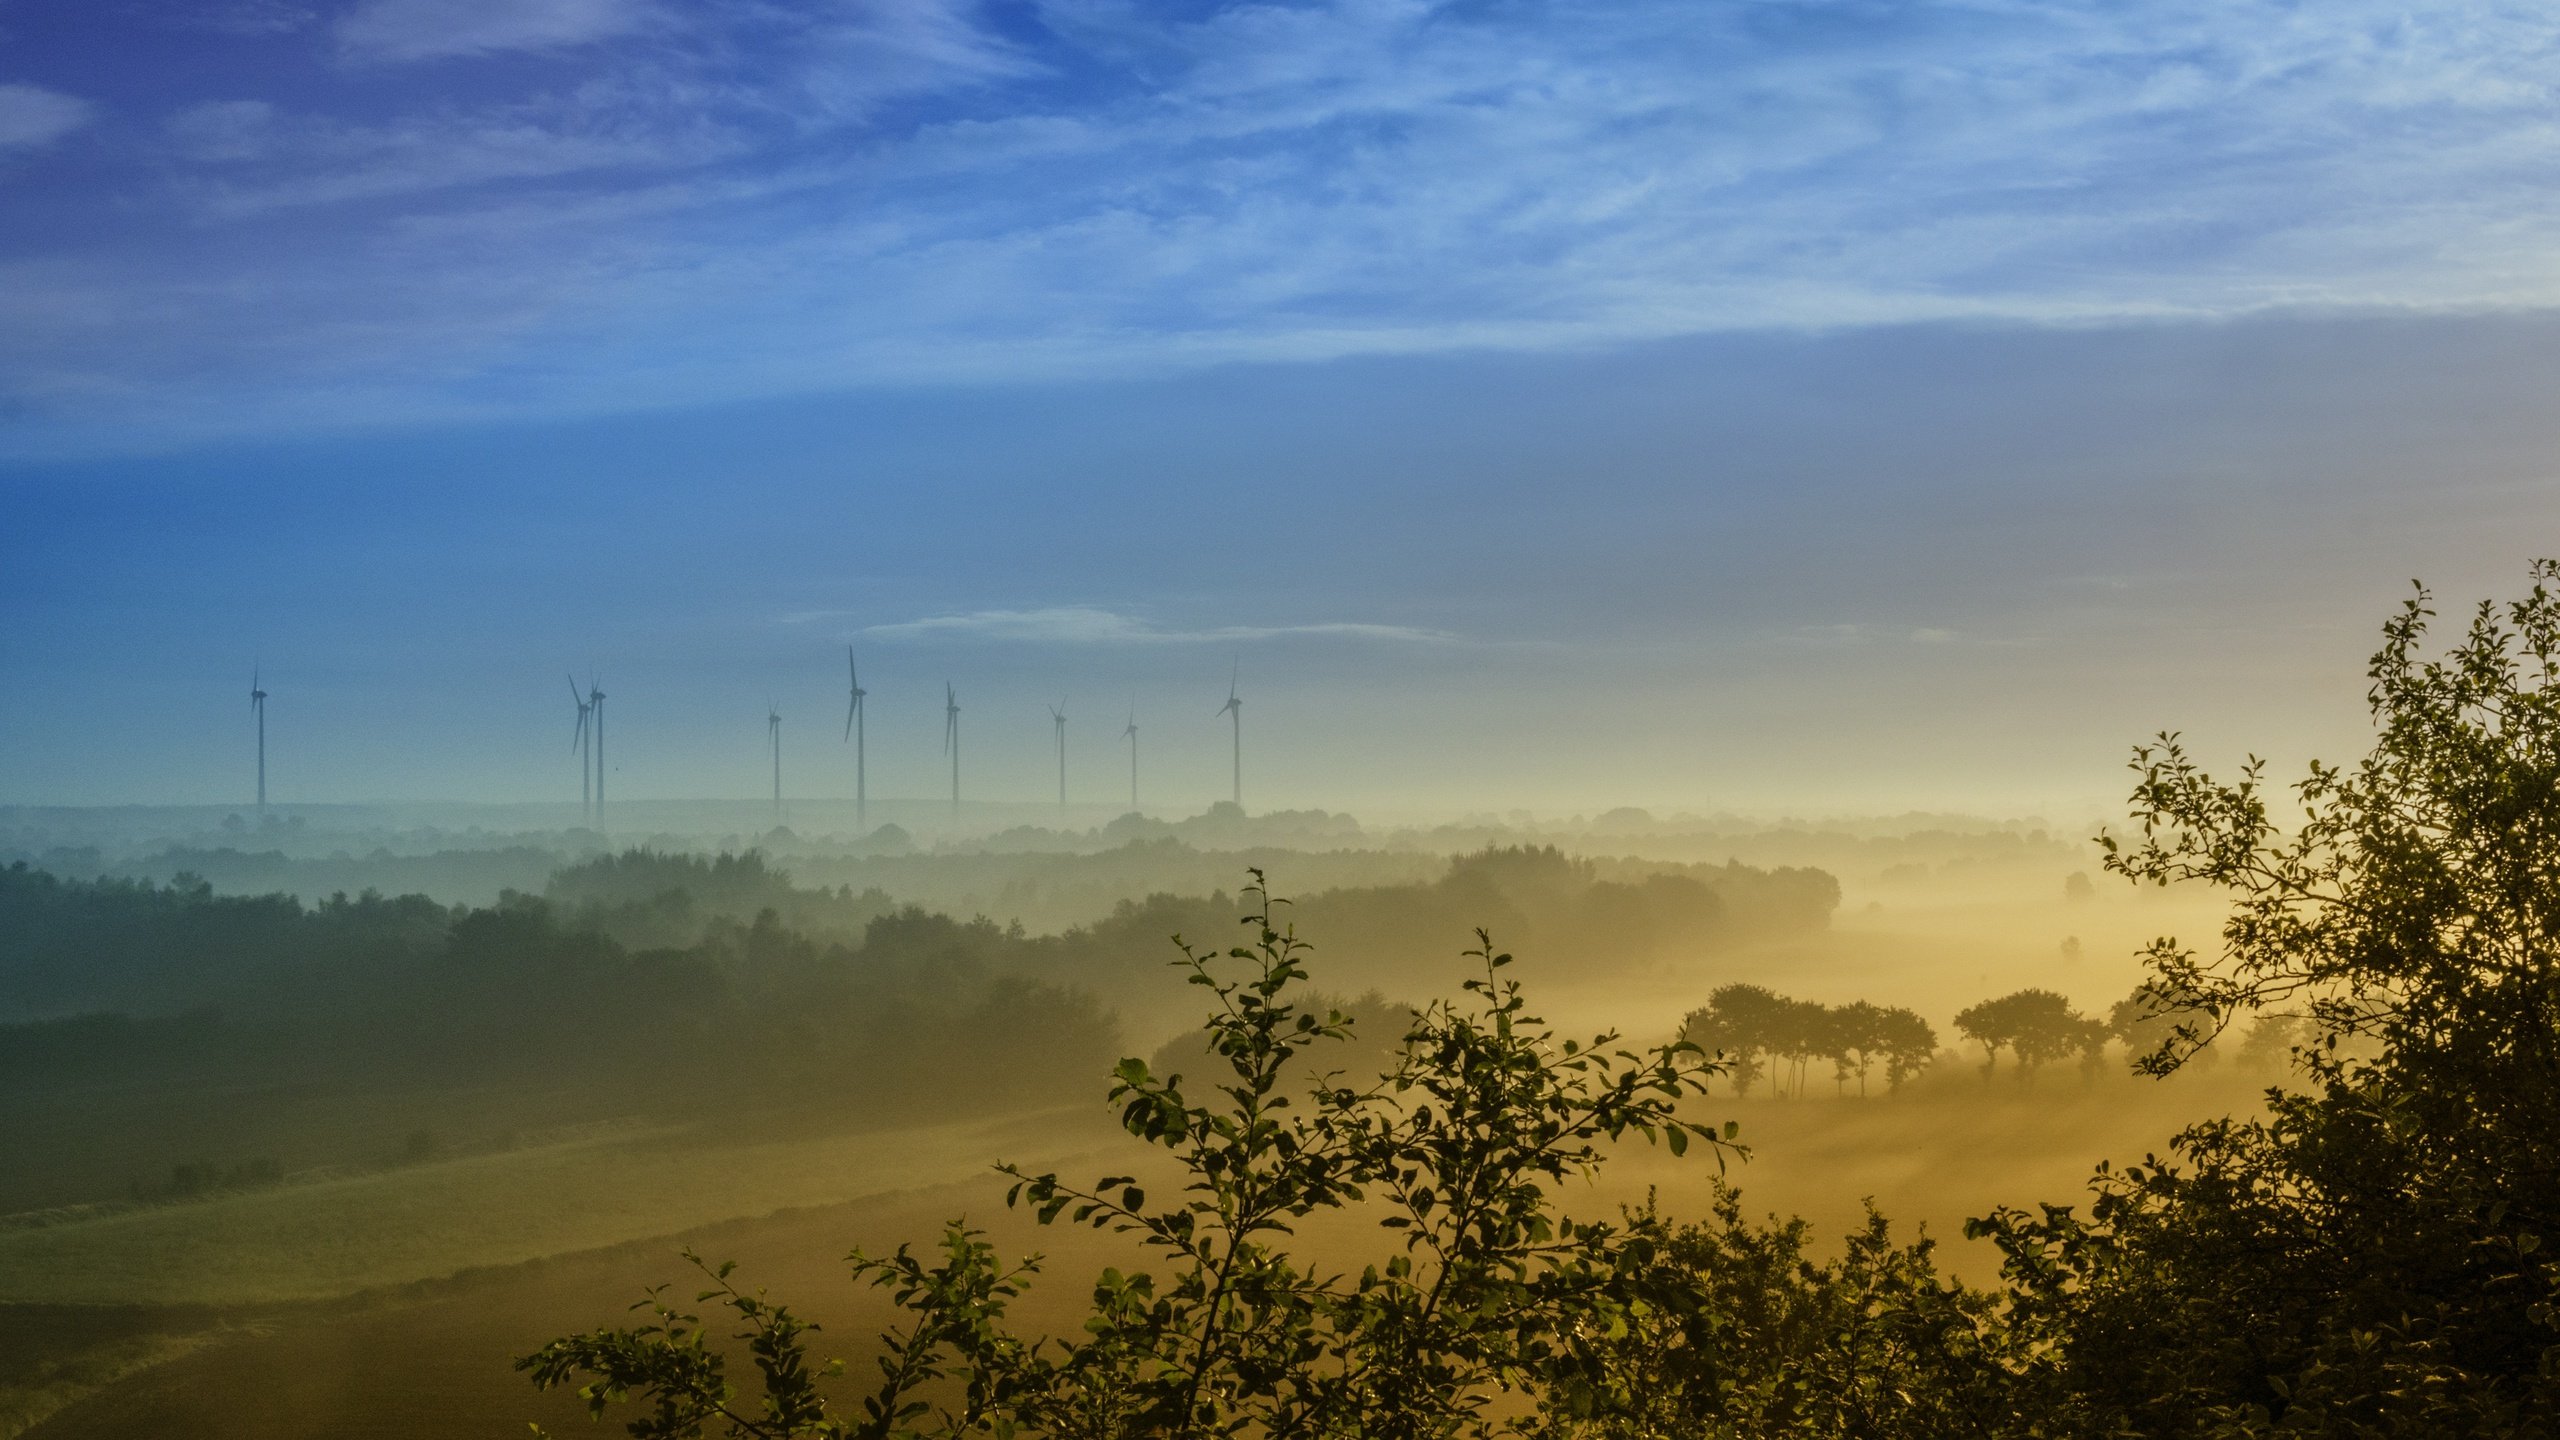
[(177, 986), (597, 997)]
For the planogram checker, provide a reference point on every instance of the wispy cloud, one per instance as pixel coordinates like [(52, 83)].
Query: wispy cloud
[(31, 115), (1087, 625), (402, 30), (681, 204), (1861, 633), (253, 157)]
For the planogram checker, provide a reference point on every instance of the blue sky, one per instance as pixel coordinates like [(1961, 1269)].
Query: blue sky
[(1559, 405)]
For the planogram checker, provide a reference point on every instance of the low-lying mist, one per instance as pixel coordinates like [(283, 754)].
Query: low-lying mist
[(246, 1078)]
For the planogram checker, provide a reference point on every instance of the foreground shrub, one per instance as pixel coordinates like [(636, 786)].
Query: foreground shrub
[(1485, 1301), (1725, 1329)]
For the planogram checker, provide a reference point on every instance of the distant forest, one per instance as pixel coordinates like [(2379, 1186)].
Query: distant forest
[(602, 994), (1048, 879)]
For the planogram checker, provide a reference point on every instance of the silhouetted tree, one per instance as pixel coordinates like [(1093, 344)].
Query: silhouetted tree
[(1858, 1033), (1908, 1045), (1986, 1024), (2034, 1025), (1739, 1023), (2374, 1256)]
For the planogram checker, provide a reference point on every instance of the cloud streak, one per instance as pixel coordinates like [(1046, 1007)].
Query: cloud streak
[(396, 31), (1088, 625), (662, 211), (32, 116)]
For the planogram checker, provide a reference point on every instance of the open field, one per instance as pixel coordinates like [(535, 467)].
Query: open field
[(431, 1357), (335, 1237)]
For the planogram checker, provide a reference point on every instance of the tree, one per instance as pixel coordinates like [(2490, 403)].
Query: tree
[(1738, 1024), (1458, 1149), (1805, 1034), (1858, 1029), (2042, 1028), (2272, 1040), (2160, 1026), (2372, 1257), (2035, 1025), (1991, 1025), (2093, 1038), (1908, 1044)]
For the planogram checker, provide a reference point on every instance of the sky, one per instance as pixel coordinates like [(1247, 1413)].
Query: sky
[(1788, 405)]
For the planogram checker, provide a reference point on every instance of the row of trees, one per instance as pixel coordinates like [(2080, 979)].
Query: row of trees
[(1758, 1033)]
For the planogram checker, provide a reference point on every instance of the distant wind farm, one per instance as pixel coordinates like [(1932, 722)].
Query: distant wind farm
[(587, 745)]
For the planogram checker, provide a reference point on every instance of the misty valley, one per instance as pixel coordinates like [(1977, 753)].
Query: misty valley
[(256, 1092)]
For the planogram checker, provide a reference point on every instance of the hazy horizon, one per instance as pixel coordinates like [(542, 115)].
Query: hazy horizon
[(1925, 639)]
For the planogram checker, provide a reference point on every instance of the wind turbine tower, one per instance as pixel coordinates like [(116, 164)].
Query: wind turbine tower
[(1058, 715), (258, 706), (595, 702), (578, 742), (853, 732), (773, 733), (951, 741), (1234, 709), (1131, 735)]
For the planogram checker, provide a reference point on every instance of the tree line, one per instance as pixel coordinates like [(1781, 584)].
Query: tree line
[(567, 1005), (1757, 1034)]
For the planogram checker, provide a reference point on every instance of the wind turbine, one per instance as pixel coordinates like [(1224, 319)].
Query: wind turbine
[(595, 702), (1235, 708), (853, 732), (258, 706), (773, 733), (951, 741), (1131, 735), (1058, 714), (578, 742)]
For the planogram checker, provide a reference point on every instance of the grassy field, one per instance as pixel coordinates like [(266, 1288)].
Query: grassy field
[(335, 1237), (433, 1359)]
